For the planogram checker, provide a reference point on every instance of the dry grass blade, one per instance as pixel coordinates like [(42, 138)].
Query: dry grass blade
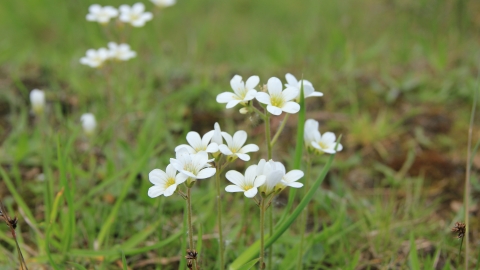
[(12, 224)]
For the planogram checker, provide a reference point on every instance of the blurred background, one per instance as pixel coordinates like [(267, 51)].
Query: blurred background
[(398, 79)]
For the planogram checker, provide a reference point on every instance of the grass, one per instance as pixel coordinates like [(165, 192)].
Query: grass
[(397, 78)]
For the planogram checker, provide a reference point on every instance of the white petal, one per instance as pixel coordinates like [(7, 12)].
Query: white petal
[(316, 94), (193, 138), (235, 177), (249, 148), (295, 185), (291, 107), (225, 150), (95, 8), (186, 146), (274, 110), (225, 97), (233, 103), (251, 173), (157, 177), (289, 93), (328, 137), (233, 188), (206, 173), (239, 138), (251, 192), (263, 98), (212, 148), (291, 80), (170, 171), (180, 178), (274, 86), (243, 157), (228, 138), (252, 82), (293, 176), (251, 94), (138, 7), (170, 190), (339, 147), (307, 91), (235, 82), (155, 191), (260, 180)]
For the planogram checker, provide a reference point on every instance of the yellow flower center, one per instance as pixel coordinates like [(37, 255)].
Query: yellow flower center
[(247, 187), (242, 92), (277, 101), (322, 145), (170, 181)]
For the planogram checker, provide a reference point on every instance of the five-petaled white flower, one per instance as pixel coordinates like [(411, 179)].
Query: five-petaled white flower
[(326, 143), (308, 90), (279, 100), (234, 147), (247, 184), (135, 14), (120, 52), (101, 14), (310, 129), (273, 173), (88, 123), (243, 92), (37, 99), (164, 3), (95, 58), (198, 144), (290, 178), (165, 183), (194, 166)]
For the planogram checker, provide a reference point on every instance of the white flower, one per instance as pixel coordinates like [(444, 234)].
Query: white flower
[(120, 51), (164, 3), (290, 179), (88, 123), (198, 144), (101, 14), (326, 143), (247, 184), (310, 129), (234, 146), (135, 14), (194, 166), (37, 99), (95, 58), (308, 90), (273, 171), (243, 92), (278, 100), (165, 183)]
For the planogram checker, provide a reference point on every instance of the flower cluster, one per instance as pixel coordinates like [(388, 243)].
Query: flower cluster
[(193, 162), (276, 98), (119, 52)]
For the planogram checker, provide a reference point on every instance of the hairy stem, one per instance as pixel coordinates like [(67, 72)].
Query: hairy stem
[(219, 220), (279, 131), (262, 234), (189, 221), (303, 220)]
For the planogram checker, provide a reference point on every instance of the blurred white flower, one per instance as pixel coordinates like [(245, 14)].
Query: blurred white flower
[(164, 3), (101, 14), (95, 58), (234, 147), (326, 143), (310, 129), (194, 166), (88, 123), (247, 184), (279, 100), (273, 171), (37, 99), (243, 92), (198, 144), (135, 14), (165, 183), (308, 90), (290, 179), (120, 52)]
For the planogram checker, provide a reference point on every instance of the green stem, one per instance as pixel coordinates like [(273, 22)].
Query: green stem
[(262, 234), (219, 220), (280, 129), (262, 115), (303, 221), (460, 252), (189, 221), (267, 135), (270, 231)]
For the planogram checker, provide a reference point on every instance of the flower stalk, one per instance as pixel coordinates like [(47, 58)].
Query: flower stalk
[(189, 221), (303, 220), (219, 218)]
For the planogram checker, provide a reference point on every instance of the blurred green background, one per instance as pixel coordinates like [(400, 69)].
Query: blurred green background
[(398, 79)]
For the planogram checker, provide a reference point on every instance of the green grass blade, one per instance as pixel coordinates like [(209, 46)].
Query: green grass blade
[(53, 217), (413, 255), (253, 250), (248, 265), (124, 261)]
